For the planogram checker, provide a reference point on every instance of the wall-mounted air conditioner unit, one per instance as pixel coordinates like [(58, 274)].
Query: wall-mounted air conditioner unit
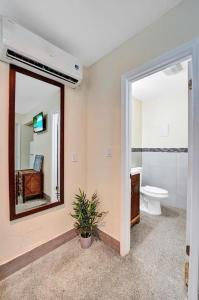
[(23, 48)]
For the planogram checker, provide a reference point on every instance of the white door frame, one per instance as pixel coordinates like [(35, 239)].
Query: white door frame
[(55, 160), (189, 50)]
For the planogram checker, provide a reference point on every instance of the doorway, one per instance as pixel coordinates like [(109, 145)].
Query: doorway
[(188, 51), (159, 167)]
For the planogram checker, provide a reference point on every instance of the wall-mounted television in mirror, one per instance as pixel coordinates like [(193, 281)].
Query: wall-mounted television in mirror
[(39, 123), (36, 143)]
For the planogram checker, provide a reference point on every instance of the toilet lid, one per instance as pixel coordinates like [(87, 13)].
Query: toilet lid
[(154, 190)]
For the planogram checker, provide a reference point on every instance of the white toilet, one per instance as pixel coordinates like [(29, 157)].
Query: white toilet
[(150, 195)]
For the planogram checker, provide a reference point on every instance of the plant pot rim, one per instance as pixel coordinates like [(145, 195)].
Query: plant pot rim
[(83, 237)]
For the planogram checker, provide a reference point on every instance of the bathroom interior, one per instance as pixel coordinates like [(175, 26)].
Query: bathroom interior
[(159, 169)]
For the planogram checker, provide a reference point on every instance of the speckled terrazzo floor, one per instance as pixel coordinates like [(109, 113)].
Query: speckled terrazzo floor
[(153, 270)]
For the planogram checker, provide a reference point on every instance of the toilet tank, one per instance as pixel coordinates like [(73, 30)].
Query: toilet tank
[(137, 170)]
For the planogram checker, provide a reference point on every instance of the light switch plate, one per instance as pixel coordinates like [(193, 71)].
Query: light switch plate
[(108, 152), (74, 157)]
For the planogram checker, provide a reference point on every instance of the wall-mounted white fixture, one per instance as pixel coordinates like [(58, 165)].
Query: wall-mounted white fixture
[(74, 157), (108, 152), (23, 48), (164, 130), (175, 69)]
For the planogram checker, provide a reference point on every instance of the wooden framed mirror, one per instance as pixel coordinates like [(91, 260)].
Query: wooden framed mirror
[(36, 143)]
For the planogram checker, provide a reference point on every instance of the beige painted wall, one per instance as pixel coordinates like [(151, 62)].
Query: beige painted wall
[(150, 116), (26, 136), (171, 111), (22, 235), (104, 101), (136, 139), (22, 142)]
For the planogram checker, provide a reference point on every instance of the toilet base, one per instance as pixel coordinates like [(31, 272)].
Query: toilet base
[(150, 205)]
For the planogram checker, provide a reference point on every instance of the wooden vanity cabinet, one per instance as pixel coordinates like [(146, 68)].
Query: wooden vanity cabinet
[(135, 199)]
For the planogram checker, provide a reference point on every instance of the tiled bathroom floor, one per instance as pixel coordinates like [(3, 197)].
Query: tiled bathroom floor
[(159, 243)]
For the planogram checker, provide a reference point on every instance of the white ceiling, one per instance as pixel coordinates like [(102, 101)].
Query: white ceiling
[(159, 85), (88, 29), (31, 92)]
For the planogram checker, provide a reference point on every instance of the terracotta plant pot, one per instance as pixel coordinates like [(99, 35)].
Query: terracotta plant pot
[(85, 242)]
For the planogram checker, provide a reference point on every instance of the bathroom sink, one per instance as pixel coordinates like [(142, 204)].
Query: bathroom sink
[(136, 170)]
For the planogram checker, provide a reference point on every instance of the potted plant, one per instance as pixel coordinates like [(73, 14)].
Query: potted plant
[(87, 217)]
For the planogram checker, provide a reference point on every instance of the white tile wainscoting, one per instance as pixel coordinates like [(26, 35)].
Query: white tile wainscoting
[(167, 170)]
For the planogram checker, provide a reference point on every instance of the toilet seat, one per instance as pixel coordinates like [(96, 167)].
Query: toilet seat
[(154, 191)]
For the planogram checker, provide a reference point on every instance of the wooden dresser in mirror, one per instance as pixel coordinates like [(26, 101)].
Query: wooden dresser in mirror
[(29, 182)]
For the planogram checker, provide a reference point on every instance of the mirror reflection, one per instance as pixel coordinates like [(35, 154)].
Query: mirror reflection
[(37, 143)]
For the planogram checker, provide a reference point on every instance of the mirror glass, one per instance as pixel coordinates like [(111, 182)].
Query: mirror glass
[(37, 143)]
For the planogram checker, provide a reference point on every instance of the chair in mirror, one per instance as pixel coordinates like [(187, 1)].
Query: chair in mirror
[(36, 176)]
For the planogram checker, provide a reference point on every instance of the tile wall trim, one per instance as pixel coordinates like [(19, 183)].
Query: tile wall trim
[(170, 150)]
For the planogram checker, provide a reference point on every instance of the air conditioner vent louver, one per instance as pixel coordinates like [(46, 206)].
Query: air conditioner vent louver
[(39, 66)]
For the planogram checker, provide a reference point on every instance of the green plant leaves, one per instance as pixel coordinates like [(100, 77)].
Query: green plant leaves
[(86, 214)]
